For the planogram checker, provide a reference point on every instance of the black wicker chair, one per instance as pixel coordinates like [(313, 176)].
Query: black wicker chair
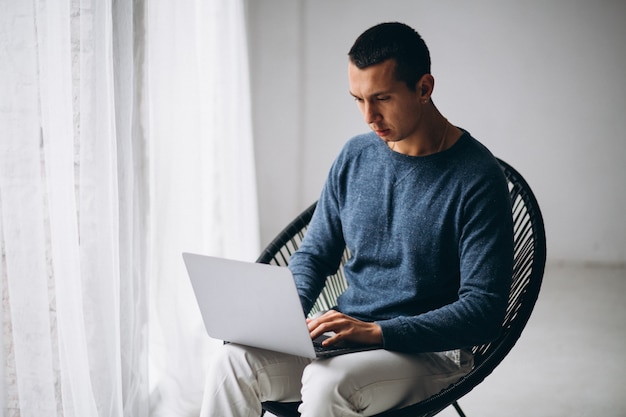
[(530, 257)]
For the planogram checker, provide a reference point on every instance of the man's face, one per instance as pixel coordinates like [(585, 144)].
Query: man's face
[(389, 107)]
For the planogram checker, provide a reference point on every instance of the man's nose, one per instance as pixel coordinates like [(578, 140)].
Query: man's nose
[(371, 114)]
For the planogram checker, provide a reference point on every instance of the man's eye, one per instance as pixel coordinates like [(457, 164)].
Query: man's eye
[(358, 100), (383, 98)]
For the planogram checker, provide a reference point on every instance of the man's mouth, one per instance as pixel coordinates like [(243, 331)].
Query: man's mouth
[(382, 132)]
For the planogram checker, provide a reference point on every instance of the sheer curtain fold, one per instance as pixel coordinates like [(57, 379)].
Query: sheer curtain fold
[(57, 115), (23, 202), (202, 178), (67, 219)]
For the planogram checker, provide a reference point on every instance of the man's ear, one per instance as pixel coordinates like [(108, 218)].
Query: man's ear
[(425, 87)]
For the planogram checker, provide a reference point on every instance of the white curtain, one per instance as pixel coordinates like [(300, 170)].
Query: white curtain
[(202, 186), (124, 140)]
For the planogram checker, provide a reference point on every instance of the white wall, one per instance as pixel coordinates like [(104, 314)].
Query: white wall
[(540, 83)]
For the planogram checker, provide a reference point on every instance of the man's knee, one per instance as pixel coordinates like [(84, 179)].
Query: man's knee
[(231, 361), (271, 376), (324, 383)]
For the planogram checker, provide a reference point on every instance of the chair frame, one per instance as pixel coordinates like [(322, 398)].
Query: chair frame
[(528, 269)]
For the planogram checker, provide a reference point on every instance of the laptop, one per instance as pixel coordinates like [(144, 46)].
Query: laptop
[(255, 305)]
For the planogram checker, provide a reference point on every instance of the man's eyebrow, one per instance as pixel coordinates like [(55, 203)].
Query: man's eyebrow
[(376, 94)]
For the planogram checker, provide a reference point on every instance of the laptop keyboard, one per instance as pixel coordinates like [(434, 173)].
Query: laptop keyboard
[(332, 349)]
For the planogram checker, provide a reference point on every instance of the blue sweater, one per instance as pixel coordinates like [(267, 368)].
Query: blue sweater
[(431, 241)]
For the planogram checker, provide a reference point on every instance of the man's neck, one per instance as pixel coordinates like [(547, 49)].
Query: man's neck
[(436, 135)]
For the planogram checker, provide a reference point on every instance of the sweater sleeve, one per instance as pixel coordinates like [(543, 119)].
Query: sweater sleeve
[(320, 252), (485, 254)]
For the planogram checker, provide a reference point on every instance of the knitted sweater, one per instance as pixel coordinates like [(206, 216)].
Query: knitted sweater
[(431, 242)]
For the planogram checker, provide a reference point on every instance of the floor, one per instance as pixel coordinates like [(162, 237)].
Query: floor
[(570, 359)]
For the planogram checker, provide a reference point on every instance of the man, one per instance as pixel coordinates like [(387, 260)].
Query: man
[(424, 209)]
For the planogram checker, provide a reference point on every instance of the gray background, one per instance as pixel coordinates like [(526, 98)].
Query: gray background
[(540, 83)]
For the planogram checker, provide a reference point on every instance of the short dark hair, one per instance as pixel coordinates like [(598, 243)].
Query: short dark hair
[(393, 40)]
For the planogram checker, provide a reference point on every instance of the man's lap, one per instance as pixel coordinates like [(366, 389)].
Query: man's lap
[(377, 379)]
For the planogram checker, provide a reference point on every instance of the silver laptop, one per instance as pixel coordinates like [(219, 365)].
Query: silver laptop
[(255, 305)]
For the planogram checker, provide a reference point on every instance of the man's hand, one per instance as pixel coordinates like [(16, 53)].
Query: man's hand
[(346, 329)]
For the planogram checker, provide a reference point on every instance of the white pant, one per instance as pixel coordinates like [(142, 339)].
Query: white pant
[(355, 384)]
